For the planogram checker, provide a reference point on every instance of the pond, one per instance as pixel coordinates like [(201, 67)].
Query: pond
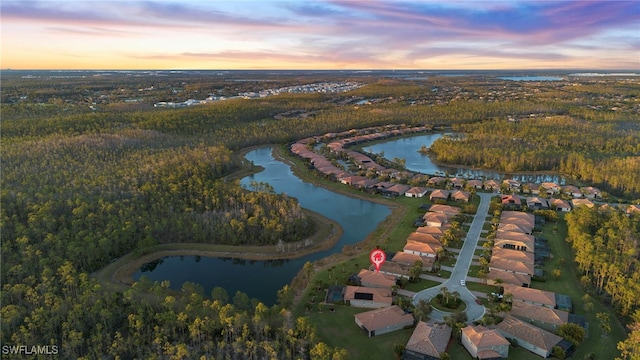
[(262, 279), (407, 148)]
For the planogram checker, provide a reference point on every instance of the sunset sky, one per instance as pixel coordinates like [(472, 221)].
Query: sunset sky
[(352, 34)]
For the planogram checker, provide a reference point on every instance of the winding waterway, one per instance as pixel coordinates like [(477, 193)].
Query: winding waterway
[(262, 279)]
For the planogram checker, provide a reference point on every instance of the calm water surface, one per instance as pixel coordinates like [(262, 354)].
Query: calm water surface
[(262, 279), (407, 148)]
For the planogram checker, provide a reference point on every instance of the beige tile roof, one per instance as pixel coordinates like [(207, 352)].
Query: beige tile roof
[(377, 279), (425, 248), (423, 238), (515, 228), (523, 256), (482, 337), (444, 209), (460, 195), (436, 218), (475, 183), (437, 232), (431, 340), (511, 216), (392, 268), (508, 265), (439, 194), (512, 327), (508, 278), (580, 202), (546, 315), (547, 298), (406, 259), (513, 235), (384, 317)]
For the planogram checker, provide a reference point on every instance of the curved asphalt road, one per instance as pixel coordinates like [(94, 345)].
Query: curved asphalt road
[(460, 270)]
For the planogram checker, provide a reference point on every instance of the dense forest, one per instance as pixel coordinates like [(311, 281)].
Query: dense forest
[(82, 186)]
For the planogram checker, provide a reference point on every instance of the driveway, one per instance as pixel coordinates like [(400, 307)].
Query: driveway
[(460, 270)]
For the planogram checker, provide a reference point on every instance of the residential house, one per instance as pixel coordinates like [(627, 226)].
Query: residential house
[(407, 260), (444, 209), (437, 181), (550, 188), (435, 219), (483, 343), (515, 228), (511, 202), (530, 188), (376, 279), (514, 185), (537, 203), (492, 185), (423, 238), (384, 320), (459, 195), (522, 256), (591, 193), (437, 232), (392, 268), (513, 244), (457, 183), (396, 190), (572, 191), (427, 342), (582, 202), (507, 278), (474, 184), (416, 192), (364, 297), (439, 194), (514, 235), (540, 316), (530, 337), (532, 296), (422, 249), (559, 205), (513, 266), (518, 217)]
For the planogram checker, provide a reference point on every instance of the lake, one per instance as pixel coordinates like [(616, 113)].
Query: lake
[(407, 148), (262, 279)]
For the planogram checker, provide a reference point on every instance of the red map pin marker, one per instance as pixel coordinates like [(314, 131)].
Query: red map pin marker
[(377, 258)]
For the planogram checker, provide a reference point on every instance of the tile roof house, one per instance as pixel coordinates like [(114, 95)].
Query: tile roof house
[(459, 195), (559, 205), (384, 320), (590, 192), (439, 194), (407, 260), (512, 184), (512, 266), (376, 279), (423, 238), (457, 183), (444, 209), (572, 191), (483, 343), (511, 201), (422, 249), (518, 217), (539, 315), (427, 342), (550, 187), (512, 244), (537, 203), (435, 219), (396, 190), (474, 184), (532, 296), (582, 202), (364, 297), (491, 185), (633, 209), (416, 192), (513, 235), (512, 227), (437, 180), (532, 338), (437, 232), (507, 278), (522, 256), (393, 269)]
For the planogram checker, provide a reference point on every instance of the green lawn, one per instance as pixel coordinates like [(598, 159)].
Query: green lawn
[(423, 284), (473, 270), (568, 284), (338, 329)]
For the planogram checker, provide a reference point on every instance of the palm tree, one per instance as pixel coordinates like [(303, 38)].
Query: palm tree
[(423, 309), (445, 293), (456, 296)]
